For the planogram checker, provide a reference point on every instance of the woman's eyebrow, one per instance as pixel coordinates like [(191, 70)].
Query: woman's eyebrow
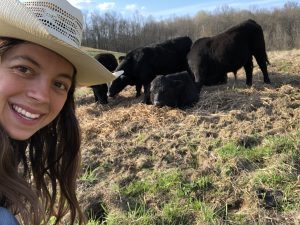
[(66, 76), (25, 57)]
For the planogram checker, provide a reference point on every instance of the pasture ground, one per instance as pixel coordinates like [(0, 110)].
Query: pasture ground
[(233, 158)]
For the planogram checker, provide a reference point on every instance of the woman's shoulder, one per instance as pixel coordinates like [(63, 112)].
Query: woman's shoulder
[(7, 218)]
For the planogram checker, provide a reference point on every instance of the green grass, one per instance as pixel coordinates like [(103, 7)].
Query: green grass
[(184, 200), (172, 197), (93, 51), (206, 212), (93, 222), (82, 91), (233, 149), (89, 176), (284, 66), (178, 195)]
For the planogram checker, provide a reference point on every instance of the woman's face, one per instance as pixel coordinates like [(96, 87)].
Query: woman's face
[(34, 84)]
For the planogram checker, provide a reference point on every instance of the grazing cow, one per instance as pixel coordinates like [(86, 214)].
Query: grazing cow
[(141, 65), (174, 90), (211, 58), (109, 61)]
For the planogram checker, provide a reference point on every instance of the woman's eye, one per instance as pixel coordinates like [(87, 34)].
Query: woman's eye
[(61, 85), (22, 69)]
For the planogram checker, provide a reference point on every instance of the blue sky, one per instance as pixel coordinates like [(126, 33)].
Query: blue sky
[(164, 8)]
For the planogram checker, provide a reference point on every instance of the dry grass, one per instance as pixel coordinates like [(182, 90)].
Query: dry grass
[(126, 141), (93, 51)]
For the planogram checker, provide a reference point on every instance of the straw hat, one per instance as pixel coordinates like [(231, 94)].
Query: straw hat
[(56, 25)]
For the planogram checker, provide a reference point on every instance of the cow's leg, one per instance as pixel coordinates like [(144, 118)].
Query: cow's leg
[(235, 76), (235, 79), (223, 78), (138, 88), (147, 94), (249, 71), (262, 63), (95, 96)]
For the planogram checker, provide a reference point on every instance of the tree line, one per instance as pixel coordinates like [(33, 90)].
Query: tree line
[(111, 31)]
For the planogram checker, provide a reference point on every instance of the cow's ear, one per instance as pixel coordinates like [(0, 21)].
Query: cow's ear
[(118, 73)]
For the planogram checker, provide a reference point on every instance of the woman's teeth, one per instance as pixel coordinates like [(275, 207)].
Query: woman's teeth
[(25, 114)]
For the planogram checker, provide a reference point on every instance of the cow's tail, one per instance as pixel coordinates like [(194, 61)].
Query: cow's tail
[(259, 41), (267, 60), (264, 49)]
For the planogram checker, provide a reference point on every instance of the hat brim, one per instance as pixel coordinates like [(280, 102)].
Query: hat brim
[(89, 70)]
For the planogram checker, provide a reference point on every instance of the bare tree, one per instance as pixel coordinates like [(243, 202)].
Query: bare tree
[(113, 32)]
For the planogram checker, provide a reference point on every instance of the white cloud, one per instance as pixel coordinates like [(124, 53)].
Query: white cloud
[(82, 4), (75, 2), (106, 5), (132, 7), (79, 2)]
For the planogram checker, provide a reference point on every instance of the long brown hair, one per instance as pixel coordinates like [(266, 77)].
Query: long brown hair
[(38, 176)]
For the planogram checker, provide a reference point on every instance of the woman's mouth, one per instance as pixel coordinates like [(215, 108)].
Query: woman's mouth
[(25, 114)]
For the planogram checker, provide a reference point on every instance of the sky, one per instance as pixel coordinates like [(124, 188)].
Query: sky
[(160, 9)]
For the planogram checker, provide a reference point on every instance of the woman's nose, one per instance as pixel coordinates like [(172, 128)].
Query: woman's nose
[(40, 91)]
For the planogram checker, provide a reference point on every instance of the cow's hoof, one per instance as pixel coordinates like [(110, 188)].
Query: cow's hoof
[(147, 102), (103, 103)]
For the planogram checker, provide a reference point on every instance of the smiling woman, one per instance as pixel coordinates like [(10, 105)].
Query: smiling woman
[(40, 66), (41, 80)]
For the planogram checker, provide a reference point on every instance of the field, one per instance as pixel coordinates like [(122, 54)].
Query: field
[(231, 159)]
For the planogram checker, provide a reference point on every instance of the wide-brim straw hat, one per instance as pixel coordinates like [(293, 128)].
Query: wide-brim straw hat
[(56, 25)]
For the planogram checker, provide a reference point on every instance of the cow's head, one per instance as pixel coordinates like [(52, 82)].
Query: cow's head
[(118, 85), (165, 92)]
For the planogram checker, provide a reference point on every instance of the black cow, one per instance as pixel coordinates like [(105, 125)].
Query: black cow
[(174, 90), (109, 61), (211, 58), (120, 58), (141, 65)]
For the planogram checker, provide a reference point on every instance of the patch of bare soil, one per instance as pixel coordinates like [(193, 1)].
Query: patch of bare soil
[(124, 138)]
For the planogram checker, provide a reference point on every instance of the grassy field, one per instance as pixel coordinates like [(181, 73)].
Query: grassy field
[(94, 51), (231, 159)]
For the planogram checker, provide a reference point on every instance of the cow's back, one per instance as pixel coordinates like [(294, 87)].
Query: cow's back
[(174, 90), (142, 64), (163, 58), (108, 60), (248, 32), (170, 56), (210, 59), (165, 61), (181, 45)]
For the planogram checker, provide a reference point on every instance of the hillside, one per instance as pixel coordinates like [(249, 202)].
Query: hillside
[(231, 159)]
